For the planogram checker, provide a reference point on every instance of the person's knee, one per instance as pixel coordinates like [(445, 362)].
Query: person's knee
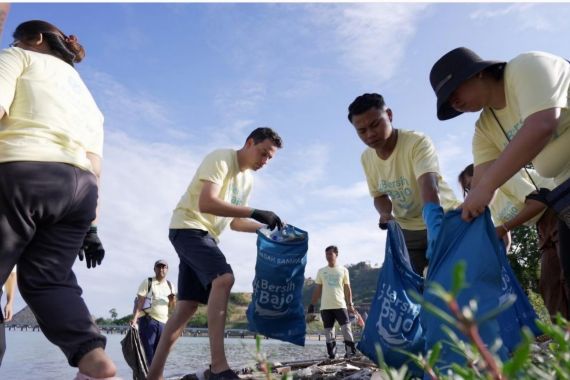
[(96, 363), (225, 282)]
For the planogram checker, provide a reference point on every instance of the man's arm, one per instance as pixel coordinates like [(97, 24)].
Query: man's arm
[(137, 309), (348, 298), (429, 188), (530, 209), (383, 205), (10, 290), (529, 141), (317, 294), (210, 203), (245, 225)]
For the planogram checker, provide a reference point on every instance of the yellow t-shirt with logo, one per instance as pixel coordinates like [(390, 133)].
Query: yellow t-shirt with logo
[(413, 156), (534, 82), (509, 199), (159, 292), (333, 281), (219, 167), (50, 114)]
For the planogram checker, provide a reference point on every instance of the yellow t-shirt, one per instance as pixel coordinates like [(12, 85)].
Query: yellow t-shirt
[(413, 156), (333, 281), (50, 114), (509, 199), (159, 292), (534, 82), (220, 167)]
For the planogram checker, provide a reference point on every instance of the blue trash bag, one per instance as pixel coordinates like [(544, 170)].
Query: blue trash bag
[(276, 309), (452, 240), (521, 313), (393, 321)]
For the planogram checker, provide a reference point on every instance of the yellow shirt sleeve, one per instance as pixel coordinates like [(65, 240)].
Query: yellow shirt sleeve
[(538, 81), (319, 279), (12, 63), (143, 288), (424, 157), (346, 279), (214, 170)]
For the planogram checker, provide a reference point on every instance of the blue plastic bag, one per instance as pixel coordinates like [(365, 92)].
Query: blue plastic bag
[(452, 240), (521, 313), (276, 309), (393, 321)]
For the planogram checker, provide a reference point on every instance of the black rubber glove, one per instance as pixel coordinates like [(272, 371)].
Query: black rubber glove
[(92, 249), (311, 309), (267, 217)]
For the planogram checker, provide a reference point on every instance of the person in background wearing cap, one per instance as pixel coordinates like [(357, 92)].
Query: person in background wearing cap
[(402, 171), (333, 288), (155, 298), (523, 118), (216, 197)]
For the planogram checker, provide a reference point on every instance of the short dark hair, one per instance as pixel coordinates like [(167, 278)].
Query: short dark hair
[(264, 133), (363, 103), (332, 248), (462, 178)]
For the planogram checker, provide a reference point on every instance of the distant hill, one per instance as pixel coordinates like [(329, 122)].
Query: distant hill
[(363, 279)]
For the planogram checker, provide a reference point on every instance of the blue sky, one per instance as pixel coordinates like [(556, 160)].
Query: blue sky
[(178, 80)]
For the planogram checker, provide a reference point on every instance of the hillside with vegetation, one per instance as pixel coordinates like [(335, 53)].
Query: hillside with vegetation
[(363, 279)]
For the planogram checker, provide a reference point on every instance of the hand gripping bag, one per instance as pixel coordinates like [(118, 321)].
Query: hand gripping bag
[(276, 309), (393, 321)]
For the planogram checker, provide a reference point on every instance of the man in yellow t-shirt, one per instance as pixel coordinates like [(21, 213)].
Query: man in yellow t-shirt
[(156, 297), (333, 288), (216, 197), (402, 171)]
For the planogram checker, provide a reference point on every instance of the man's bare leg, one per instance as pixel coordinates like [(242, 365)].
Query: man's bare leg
[(96, 363), (172, 331), (217, 311)]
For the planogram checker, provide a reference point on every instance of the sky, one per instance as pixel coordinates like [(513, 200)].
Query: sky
[(178, 80)]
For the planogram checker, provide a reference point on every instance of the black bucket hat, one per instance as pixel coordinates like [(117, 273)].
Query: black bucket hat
[(449, 72)]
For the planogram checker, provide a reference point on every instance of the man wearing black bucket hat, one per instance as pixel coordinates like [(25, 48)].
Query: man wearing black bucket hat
[(402, 172), (524, 118)]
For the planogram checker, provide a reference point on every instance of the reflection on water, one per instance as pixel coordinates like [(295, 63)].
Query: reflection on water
[(29, 355)]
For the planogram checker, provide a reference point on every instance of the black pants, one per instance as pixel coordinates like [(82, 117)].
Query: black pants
[(417, 244), (564, 246), (45, 212), (2, 332)]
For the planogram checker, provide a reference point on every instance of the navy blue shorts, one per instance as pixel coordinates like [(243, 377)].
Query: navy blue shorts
[(330, 315), (201, 262)]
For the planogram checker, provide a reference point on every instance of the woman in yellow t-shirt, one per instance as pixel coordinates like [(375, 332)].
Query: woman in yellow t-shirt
[(524, 116), (510, 209), (51, 138)]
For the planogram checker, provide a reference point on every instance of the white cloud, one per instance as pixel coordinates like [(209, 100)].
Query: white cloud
[(370, 38), (539, 17)]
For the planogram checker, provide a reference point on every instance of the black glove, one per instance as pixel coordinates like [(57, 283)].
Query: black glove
[(383, 226), (267, 217), (92, 249), (311, 309)]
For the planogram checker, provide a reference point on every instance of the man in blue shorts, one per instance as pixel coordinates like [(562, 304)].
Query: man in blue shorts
[(216, 197)]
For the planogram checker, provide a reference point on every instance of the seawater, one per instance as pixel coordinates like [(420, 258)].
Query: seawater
[(29, 355)]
